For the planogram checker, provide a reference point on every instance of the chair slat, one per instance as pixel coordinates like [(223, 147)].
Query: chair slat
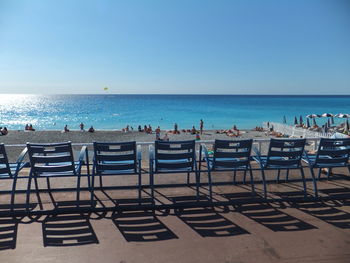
[(114, 167), (174, 145), (283, 162), (229, 144), (114, 147), (333, 152), (231, 164), (245, 154), (115, 157), (174, 166), (342, 160), (54, 168), (274, 153), (174, 156), (52, 159)]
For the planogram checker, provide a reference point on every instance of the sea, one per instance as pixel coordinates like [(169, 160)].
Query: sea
[(114, 112)]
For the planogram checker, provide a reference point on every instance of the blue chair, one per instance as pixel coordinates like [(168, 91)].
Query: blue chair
[(55, 160), (331, 153), (117, 158), (10, 171), (283, 154), (169, 157), (228, 156)]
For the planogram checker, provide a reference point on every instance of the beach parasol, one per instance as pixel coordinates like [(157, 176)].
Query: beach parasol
[(301, 120), (313, 116), (327, 115), (295, 121), (347, 128), (332, 120), (314, 122), (307, 123), (284, 119), (329, 123)]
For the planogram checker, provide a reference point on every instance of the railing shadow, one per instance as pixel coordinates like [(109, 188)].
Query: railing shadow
[(68, 229), (205, 220), (140, 226), (268, 216)]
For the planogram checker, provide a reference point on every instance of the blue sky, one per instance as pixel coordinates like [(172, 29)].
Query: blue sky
[(182, 46)]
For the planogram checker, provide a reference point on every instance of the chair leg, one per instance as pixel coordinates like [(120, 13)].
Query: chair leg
[(37, 192), (78, 191), (13, 193), (28, 192), (210, 186), (329, 172), (319, 174), (101, 182), (287, 175), (198, 176), (234, 176), (314, 181), (244, 175), (252, 180), (140, 185), (188, 178), (264, 182), (151, 180), (278, 175), (304, 182), (92, 189)]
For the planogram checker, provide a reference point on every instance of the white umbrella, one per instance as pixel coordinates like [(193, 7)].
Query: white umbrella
[(327, 115), (313, 116)]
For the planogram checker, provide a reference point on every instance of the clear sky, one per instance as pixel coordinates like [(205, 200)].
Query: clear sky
[(180, 46)]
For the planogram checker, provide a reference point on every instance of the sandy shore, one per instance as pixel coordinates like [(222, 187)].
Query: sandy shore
[(21, 137)]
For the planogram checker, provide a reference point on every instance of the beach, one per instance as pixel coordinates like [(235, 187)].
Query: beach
[(75, 136)]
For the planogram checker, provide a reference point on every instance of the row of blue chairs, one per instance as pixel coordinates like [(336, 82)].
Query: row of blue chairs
[(124, 158)]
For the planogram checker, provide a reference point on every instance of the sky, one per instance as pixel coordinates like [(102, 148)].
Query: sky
[(175, 47)]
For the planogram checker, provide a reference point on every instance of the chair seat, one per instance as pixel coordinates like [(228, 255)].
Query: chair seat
[(225, 168), (263, 162), (312, 162)]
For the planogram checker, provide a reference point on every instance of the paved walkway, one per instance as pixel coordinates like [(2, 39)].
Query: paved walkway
[(257, 232)]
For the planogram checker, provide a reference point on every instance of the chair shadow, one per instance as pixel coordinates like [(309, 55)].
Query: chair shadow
[(326, 213), (9, 226), (205, 220), (268, 216), (140, 226), (8, 233), (72, 229)]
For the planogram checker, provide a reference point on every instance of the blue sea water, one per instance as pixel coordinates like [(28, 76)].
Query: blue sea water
[(52, 112)]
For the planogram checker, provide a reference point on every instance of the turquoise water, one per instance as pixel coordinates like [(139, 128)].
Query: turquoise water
[(52, 112)]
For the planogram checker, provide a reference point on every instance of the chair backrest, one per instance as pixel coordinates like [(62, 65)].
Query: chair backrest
[(285, 153), (115, 157), (333, 152), (51, 158), (5, 170), (175, 155), (231, 154)]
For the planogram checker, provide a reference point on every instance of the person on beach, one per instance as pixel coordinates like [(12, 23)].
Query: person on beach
[(66, 128), (201, 124), (26, 128), (91, 129), (145, 128), (4, 131), (81, 126), (158, 133), (30, 128), (193, 131), (139, 128), (175, 128), (165, 138)]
